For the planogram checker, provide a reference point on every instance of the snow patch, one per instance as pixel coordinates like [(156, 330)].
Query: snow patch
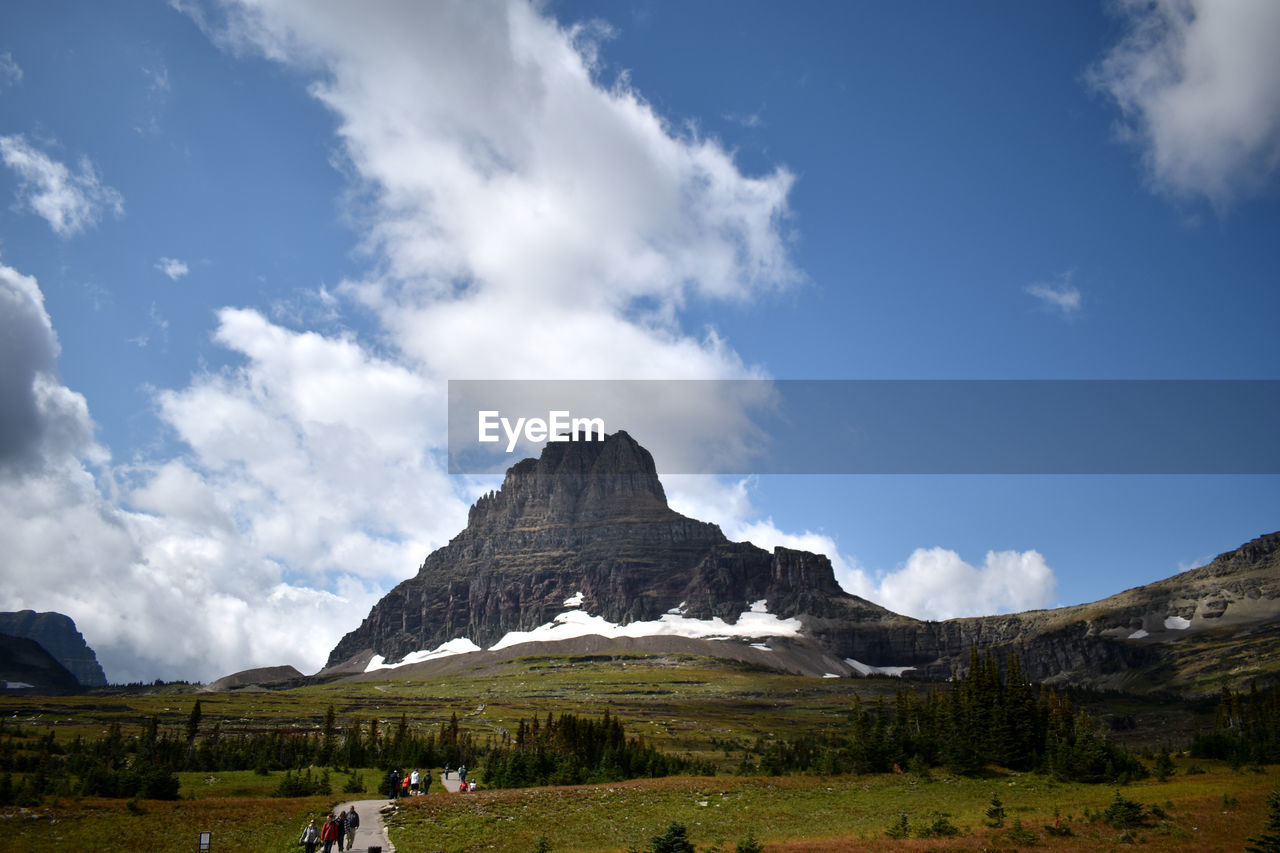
[(16, 685), (574, 600), (1139, 634), (577, 623), (868, 669), (1177, 623), (459, 646), (829, 675), (679, 609), (764, 647), (761, 606)]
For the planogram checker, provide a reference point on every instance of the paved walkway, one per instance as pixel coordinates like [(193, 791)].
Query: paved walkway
[(371, 832)]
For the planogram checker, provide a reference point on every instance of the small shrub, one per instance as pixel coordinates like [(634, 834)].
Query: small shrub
[(995, 814), (1019, 834), (542, 845), (899, 828), (355, 785), (674, 840), (939, 827), (749, 845), (1125, 814), (1194, 770)]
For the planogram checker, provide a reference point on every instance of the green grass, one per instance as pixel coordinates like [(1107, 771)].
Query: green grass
[(92, 825), (832, 813), (686, 705)]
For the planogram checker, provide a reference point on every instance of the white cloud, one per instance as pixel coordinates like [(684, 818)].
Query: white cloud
[(932, 584), (1198, 83), (172, 267), (935, 583), (10, 71), (69, 201), (1063, 296), (308, 489)]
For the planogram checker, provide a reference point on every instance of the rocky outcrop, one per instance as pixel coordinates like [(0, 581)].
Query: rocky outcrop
[(276, 677), (588, 522), (26, 667), (588, 518), (58, 635)]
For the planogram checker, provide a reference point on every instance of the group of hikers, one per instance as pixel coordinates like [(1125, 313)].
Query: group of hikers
[(412, 783), (340, 828)]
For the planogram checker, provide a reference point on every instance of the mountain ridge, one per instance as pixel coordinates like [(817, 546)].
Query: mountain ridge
[(581, 538)]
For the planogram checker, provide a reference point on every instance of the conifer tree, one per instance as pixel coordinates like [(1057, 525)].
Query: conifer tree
[(1269, 840)]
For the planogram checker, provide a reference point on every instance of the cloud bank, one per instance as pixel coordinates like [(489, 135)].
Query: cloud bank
[(1198, 85)]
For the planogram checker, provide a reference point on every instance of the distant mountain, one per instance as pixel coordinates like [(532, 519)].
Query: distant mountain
[(579, 550), (26, 667), (256, 679), (58, 635)]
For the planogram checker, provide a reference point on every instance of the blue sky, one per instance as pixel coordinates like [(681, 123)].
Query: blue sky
[(243, 246)]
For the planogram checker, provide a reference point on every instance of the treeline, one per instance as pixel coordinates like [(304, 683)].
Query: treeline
[(987, 718), (144, 764), (1247, 728), (572, 750)]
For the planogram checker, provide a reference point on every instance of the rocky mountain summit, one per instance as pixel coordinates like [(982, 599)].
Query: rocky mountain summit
[(580, 546), (58, 635)]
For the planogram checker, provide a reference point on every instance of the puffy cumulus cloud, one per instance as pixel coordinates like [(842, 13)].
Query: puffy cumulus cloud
[(69, 201), (1198, 82), (321, 455), (935, 583), (528, 220), (308, 487), (38, 416)]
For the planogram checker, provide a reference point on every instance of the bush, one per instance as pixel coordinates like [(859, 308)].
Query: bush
[(749, 845), (674, 840), (899, 828), (1125, 814), (939, 827)]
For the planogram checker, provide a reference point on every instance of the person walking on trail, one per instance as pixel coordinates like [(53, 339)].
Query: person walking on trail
[(342, 830), (393, 781), (414, 778), (462, 774), (310, 836), (329, 833), (353, 823)]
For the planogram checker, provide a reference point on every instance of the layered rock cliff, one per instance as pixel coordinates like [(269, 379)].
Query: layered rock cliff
[(58, 635), (588, 522), (588, 518)]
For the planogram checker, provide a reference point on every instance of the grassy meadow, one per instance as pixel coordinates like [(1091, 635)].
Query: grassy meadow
[(709, 710)]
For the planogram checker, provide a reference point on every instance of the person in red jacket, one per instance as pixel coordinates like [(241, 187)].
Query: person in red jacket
[(329, 833)]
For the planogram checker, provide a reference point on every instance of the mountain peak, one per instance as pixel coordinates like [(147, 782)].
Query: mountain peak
[(573, 482)]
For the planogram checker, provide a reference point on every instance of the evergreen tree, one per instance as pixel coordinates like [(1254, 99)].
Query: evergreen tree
[(1269, 840), (193, 722)]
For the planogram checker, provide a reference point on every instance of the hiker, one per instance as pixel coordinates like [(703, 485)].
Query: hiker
[(310, 835), (393, 780), (426, 783), (414, 778), (342, 830), (353, 823), (462, 773), (329, 833), (404, 785)]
